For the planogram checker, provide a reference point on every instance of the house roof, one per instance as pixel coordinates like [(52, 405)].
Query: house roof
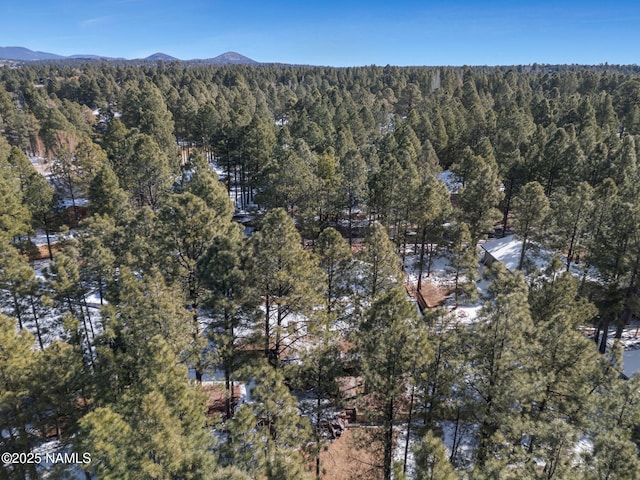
[(630, 362), (505, 250)]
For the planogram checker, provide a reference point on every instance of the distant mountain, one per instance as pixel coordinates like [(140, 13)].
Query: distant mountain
[(230, 58), (24, 54), (91, 57), (161, 57)]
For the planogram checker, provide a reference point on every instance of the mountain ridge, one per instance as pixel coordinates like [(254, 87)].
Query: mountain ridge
[(24, 54)]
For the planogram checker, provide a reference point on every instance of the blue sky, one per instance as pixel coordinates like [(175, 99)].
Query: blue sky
[(333, 32)]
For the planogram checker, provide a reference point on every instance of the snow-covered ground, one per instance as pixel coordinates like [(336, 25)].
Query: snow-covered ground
[(504, 250), (60, 461), (401, 443), (451, 180), (40, 238), (507, 251), (441, 276), (79, 202), (461, 439)]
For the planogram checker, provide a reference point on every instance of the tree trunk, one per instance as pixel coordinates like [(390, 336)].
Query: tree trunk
[(605, 333), (431, 250), (229, 389), (228, 169), (572, 243), (228, 366), (456, 439), (388, 439), (278, 338), (318, 411), (86, 333), (350, 225), (523, 250), (267, 330), (627, 313), (193, 295), (421, 262), (101, 291), (46, 232), (17, 309), (507, 207), (409, 419), (35, 319), (86, 307)]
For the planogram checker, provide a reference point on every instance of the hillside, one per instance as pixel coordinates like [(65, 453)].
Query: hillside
[(23, 54)]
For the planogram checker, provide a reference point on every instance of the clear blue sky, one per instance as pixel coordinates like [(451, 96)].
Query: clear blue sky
[(333, 32)]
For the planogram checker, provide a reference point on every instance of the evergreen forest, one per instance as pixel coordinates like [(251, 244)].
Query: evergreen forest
[(276, 272)]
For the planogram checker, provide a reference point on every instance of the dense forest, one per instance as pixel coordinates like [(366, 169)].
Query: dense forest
[(195, 261)]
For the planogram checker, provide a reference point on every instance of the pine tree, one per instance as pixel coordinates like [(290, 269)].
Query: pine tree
[(434, 205), (259, 142), (160, 424), (614, 457), (40, 199), (390, 346), (614, 448), (69, 297), (531, 208), (144, 108), (147, 171), (105, 195), (187, 226), (115, 145), (16, 276), (379, 263), (383, 183), (479, 201), (61, 389), (329, 189), (17, 363), (109, 439), (100, 245), (555, 160), (335, 259), (565, 368), (268, 435), (228, 303), (89, 158), (288, 278), (14, 217), (67, 174), (290, 183), (406, 204), (571, 214), (317, 377), (204, 184), (431, 460), (463, 261), (137, 241), (466, 168), (353, 175), (140, 308), (20, 292), (499, 365)]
